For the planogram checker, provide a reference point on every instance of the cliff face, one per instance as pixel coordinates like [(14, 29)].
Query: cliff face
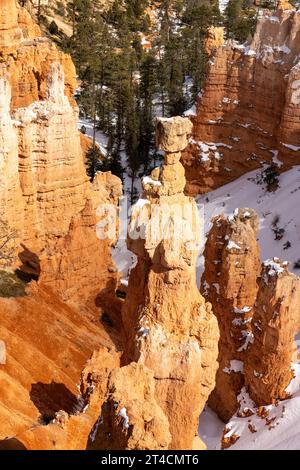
[(49, 207), (44, 191), (248, 111), (28, 56)]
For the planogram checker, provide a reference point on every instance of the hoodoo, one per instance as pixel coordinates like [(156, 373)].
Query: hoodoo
[(229, 282), (170, 329)]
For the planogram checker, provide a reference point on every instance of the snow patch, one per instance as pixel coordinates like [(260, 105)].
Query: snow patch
[(235, 366)]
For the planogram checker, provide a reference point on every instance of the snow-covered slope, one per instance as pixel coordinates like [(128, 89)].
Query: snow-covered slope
[(284, 431), (283, 204), (279, 430)]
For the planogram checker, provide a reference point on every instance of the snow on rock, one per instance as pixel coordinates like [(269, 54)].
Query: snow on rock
[(240, 311), (292, 147), (247, 193), (249, 338), (123, 414), (148, 180), (272, 427), (274, 267), (235, 366), (209, 150), (232, 245), (192, 111)]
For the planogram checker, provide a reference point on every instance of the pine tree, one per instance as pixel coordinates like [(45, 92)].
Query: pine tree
[(241, 19), (93, 161)]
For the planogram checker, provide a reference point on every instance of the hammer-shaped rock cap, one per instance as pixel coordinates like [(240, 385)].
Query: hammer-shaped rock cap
[(172, 133)]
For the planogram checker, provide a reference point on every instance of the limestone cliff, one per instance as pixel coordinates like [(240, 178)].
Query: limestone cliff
[(248, 110)]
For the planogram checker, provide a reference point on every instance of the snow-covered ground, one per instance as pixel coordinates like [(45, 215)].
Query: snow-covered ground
[(223, 5), (284, 203), (101, 138), (280, 430), (211, 429)]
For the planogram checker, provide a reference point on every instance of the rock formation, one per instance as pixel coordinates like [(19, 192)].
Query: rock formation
[(47, 344), (131, 417), (248, 110), (214, 39), (10, 32), (169, 328), (45, 193), (275, 323), (258, 314), (229, 282), (28, 56), (50, 207)]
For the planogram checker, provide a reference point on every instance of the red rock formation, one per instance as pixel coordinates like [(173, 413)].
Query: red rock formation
[(44, 187), (47, 345), (229, 282), (10, 32), (248, 111), (275, 323), (214, 39), (71, 430), (257, 310), (131, 417), (47, 198), (169, 327), (28, 56)]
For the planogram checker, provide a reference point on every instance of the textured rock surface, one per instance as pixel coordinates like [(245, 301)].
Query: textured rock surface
[(275, 323), (10, 32), (248, 111), (258, 314), (229, 282), (214, 39), (130, 417), (28, 56), (47, 198), (44, 190), (44, 359), (169, 327)]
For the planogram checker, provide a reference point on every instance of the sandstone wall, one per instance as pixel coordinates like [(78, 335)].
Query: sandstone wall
[(248, 111), (44, 190)]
